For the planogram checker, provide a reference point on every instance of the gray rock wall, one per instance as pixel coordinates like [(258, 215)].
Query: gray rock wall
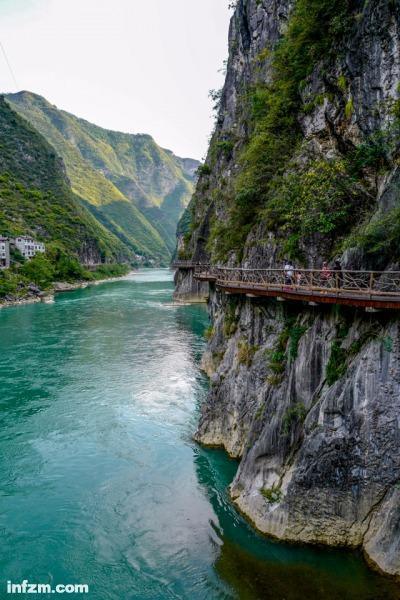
[(189, 289), (320, 460)]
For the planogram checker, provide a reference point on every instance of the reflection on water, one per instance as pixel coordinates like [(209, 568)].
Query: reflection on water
[(257, 567), (253, 578), (101, 482)]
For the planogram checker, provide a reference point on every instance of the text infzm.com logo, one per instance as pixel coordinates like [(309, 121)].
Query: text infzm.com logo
[(25, 587)]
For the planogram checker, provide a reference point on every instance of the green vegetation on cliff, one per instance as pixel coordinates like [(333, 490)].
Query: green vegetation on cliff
[(280, 180), (263, 183)]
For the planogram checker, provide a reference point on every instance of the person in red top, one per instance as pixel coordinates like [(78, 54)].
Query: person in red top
[(326, 273)]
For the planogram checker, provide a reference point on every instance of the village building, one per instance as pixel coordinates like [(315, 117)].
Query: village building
[(4, 253), (27, 246)]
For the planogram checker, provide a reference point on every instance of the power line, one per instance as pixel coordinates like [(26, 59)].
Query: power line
[(9, 67)]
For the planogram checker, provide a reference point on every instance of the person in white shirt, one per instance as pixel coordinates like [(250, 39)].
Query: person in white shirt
[(289, 272)]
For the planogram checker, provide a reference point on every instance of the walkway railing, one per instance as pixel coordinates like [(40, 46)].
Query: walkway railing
[(369, 282), (183, 264), (343, 285)]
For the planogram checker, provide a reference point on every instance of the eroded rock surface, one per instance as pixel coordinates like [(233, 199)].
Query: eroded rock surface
[(307, 398)]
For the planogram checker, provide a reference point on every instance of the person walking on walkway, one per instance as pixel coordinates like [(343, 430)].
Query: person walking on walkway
[(298, 278), (326, 274), (337, 269), (289, 272)]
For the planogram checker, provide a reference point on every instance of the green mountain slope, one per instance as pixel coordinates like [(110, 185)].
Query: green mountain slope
[(135, 188), (35, 196)]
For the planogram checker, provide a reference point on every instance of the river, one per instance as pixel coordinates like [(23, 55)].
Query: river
[(101, 482)]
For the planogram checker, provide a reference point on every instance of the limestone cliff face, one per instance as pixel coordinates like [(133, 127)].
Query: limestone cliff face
[(319, 459), (346, 104), (188, 289), (308, 398)]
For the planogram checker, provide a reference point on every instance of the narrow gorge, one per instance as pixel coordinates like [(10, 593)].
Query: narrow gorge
[(303, 165)]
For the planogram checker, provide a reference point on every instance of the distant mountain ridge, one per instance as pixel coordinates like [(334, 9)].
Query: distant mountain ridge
[(36, 199), (133, 187)]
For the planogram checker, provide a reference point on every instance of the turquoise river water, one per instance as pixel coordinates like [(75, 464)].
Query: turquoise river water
[(101, 482)]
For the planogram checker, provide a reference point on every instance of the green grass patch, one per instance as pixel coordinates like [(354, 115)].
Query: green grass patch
[(271, 495), (230, 318), (246, 353), (285, 349), (337, 363), (294, 414), (296, 332), (209, 332), (387, 343)]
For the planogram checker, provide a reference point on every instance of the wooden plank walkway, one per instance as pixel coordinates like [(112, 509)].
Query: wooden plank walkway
[(372, 290)]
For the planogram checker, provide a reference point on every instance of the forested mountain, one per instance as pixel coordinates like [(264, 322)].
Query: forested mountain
[(35, 196), (135, 188)]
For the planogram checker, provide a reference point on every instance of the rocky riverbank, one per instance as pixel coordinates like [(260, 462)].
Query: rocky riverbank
[(36, 295)]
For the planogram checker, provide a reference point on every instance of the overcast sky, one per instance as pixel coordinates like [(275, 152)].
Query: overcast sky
[(142, 66)]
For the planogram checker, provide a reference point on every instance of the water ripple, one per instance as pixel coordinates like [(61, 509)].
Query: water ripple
[(101, 482)]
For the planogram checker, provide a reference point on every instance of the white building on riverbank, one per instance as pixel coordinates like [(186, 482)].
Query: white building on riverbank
[(4, 253), (27, 246)]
